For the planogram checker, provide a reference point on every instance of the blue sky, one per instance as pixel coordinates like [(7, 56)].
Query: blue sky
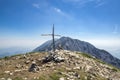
[(23, 21)]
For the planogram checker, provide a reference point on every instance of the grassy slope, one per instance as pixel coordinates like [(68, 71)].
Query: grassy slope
[(9, 64)]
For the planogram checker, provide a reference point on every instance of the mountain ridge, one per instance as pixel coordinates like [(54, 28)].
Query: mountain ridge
[(68, 43)]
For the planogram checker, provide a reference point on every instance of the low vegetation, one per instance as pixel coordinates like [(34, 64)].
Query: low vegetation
[(81, 66)]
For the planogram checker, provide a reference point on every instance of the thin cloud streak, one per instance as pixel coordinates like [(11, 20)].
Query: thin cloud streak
[(100, 4), (80, 3), (36, 5), (115, 30)]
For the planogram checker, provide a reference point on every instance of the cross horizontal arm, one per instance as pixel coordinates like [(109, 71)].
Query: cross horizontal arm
[(46, 34), (49, 35), (57, 35)]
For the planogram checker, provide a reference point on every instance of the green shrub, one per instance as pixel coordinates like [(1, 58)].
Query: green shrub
[(6, 57)]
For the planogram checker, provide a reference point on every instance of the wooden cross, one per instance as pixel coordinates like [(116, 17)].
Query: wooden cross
[(52, 38)]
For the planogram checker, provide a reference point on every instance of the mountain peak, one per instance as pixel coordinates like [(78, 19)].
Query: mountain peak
[(65, 37), (67, 43)]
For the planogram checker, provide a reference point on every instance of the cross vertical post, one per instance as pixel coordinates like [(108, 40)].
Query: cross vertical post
[(53, 40)]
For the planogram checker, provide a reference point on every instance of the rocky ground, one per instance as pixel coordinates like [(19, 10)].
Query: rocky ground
[(66, 65)]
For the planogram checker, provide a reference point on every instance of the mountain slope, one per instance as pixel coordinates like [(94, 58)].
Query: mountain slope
[(76, 45), (76, 66)]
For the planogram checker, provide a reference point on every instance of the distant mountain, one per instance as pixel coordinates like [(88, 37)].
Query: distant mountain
[(12, 51), (67, 43)]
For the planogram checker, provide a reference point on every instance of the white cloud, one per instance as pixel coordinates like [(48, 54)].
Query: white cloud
[(59, 11), (36, 5)]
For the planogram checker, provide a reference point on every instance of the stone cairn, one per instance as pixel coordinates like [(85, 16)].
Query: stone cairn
[(52, 56)]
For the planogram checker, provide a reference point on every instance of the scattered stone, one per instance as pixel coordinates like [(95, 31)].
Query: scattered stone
[(58, 59), (62, 78), (87, 68), (77, 75), (2, 79), (18, 70), (27, 62), (36, 77), (9, 79), (48, 58), (11, 73), (7, 72), (24, 56), (18, 66), (26, 67), (76, 68), (85, 77), (68, 78), (18, 57), (68, 68), (66, 62), (39, 60), (25, 78)]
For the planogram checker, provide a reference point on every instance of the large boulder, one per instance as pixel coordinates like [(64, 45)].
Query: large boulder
[(33, 67)]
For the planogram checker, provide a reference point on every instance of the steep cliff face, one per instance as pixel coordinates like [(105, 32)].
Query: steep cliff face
[(67, 43)]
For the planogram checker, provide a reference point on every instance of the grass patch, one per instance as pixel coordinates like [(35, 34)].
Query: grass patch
[(86, 55), (100, 61), (100, 78), (8, 57), (30, 52), (89, 56), (54, 77), (41, 78), (114, 69), (16, 55), (18, 78)]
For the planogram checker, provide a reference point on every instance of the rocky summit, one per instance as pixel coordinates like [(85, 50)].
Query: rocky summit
[(61, 65), (67, 43)]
